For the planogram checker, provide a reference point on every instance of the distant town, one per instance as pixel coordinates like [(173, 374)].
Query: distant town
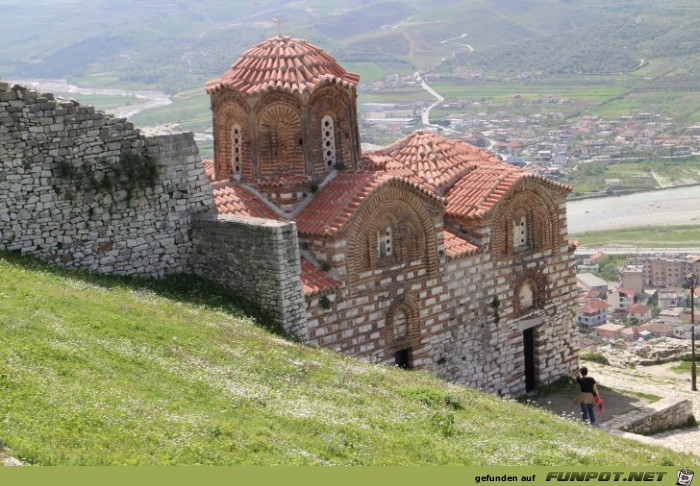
[(547, 141), (649, 303)]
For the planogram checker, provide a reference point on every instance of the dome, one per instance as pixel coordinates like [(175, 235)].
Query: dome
[(283, 63)]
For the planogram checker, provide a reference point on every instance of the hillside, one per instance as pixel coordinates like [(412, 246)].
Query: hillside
[(178, 45), (103, 370)]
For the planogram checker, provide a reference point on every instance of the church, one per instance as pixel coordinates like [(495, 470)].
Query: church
[(428, 253)]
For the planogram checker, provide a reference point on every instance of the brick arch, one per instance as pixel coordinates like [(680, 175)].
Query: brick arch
[(280, 134), (532, 201), (227, 116), (538, 285), (415, 230), (334, 102), (402, 325)]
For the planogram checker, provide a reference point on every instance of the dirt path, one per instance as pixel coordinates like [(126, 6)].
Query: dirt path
[(625, 390)]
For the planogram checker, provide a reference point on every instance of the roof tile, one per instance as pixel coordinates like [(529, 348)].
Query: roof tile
[(335, 203), (286, 63), (457, 245), (314, 281), (233, 198)]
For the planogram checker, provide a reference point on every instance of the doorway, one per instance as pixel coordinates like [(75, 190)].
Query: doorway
[(529, 349), (402, 359)]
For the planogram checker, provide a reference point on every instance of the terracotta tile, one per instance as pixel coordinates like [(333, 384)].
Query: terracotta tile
[(233, 198), (287, 63), (457, 245), (314, 280)]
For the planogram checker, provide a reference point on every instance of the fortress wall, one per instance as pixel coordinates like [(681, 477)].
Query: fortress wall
[(83, 189), (258, 259)]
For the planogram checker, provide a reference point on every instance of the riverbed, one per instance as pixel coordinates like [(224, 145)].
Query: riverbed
[(146, 99), (666, 207)]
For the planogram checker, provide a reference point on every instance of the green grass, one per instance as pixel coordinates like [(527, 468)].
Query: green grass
[(368, 71), (636, 176), (683, 366), (647, 396), (644, 237), (105, 370), (189, 110)]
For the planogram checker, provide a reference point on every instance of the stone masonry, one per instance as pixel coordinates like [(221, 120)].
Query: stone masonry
[(259, 259), (82, 189)]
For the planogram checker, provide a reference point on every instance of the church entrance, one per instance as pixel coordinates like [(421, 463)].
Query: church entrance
[(529, 349), (402, 359)]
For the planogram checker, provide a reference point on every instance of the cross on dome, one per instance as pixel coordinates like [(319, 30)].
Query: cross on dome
[(278, 22)]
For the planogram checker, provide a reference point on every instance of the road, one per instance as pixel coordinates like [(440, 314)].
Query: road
[(627, 250), (425, 115)]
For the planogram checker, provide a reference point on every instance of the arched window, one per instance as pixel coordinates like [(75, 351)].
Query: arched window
[(527, 297), (236, 145), (328, 140), (385, 242), (520, 233)]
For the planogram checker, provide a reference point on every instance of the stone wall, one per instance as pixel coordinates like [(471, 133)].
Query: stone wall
[(257, 258), (665, 414), (82, 189)]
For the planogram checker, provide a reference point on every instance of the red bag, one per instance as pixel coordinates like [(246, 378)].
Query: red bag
[(600, 405)]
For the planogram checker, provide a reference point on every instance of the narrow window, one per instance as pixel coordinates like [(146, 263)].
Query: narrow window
[(385, 242), (328, 140), (400, 325), (236, 149), (527, 297), (520, 233)]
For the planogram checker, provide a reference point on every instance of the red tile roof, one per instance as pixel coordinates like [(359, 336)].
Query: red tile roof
[(457, 245), (472, 180), (314, 281), (434, 161), (638, 309), (593, 307), (283, 63), (209, 169), (336, 202), (233, 198), (480, 191), (627, 292), (477, 193)]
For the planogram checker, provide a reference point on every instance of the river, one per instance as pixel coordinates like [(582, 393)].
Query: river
[(145, 99), (676, 206)]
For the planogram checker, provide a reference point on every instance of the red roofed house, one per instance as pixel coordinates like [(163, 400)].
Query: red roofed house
[(625, 298), (641, 312), (428, 253), (609, 331), (593, 313)]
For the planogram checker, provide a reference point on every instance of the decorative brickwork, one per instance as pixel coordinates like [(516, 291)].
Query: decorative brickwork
[(429, 254), (232, 162), (280, 138), (336, 103)]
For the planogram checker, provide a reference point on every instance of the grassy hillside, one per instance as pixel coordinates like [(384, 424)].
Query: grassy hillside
[(178, 45), (101, 370)]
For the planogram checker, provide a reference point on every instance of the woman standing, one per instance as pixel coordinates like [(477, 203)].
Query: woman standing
[(588, 395)]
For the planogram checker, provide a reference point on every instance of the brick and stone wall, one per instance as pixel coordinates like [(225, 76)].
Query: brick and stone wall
[(82, 189), (457, 335), (257, 258)]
